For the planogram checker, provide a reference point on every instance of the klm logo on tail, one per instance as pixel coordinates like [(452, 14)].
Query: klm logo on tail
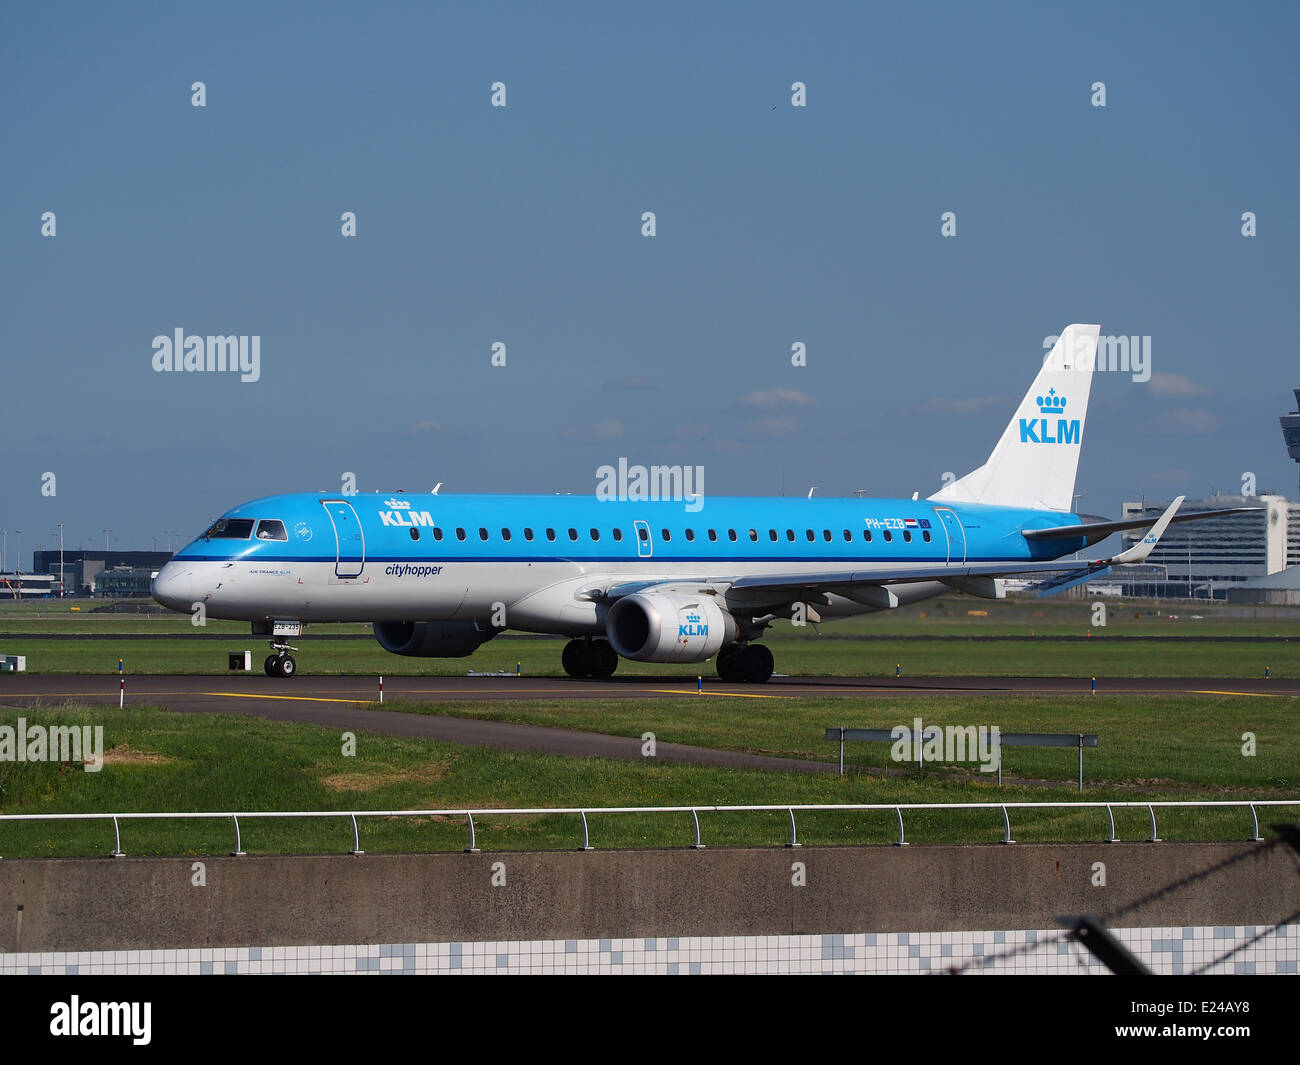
[(1039, 430)]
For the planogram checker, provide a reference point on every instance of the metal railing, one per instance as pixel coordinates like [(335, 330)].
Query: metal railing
[(920, 737), (582, 811)]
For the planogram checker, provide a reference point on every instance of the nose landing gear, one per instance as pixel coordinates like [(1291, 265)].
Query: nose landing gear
[(281, 663)]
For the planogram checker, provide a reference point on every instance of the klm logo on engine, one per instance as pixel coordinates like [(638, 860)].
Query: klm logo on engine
[(1039, 430), (403, 516), (693, 627)]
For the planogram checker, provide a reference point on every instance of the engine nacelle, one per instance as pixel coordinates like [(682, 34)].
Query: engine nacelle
[(432, 639), (659, 627)]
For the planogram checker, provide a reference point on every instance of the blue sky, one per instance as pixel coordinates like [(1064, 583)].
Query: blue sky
[(522, 225)]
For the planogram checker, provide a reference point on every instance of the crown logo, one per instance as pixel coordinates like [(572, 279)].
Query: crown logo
[(397, 504), (1051, 403)]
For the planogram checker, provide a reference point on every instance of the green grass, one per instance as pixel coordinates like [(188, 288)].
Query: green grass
[(163, 761), (1064, 643), (1148, 743), (797, 654)]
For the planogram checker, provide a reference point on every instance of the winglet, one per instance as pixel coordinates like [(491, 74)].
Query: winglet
[(1139, 551)]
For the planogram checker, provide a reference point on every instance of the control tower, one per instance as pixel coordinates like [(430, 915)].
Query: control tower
[(1291, 430)]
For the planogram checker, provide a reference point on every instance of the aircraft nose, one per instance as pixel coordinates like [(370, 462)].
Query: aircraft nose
[(174, 586)]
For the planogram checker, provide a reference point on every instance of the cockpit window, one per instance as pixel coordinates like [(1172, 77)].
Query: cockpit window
[(231, 529), (271, 529)]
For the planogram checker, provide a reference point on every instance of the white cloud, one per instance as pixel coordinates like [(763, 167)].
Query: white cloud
[(1175, 386), (1183, 419), (776, 398), (610, 429)]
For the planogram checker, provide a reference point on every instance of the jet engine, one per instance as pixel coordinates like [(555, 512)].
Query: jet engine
[(665, 627), (432, 639)]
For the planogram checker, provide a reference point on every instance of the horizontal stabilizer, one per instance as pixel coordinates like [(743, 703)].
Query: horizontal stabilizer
[(1099, 530)]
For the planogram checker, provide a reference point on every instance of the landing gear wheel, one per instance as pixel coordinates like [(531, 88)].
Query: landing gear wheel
[(757, 663), (602, 658), (287, 667), (270, 665), (575, 659), (729, 664)]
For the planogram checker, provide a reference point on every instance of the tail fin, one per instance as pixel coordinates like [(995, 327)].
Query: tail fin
[(1035, 461)]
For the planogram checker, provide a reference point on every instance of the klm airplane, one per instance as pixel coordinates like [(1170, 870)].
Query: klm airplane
[(657, 580)]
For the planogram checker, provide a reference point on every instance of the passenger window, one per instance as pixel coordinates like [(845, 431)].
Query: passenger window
[(866, 535), (753, 536), (772, 534), (643, 533), (437, 534), (731, 534), (925, 535), (690, 535), (595, 535), (482, 534), (789, 535), (907, 535), (826, 535), (848, 537), (550, 534), (460, 534), (618, 536), (415, 533), (665, 535), (573, 535), (713, 535), (811, 536), (888, 536), (271, 529), (505, 534), (528, 535)]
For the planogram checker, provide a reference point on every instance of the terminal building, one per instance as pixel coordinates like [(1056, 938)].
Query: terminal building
[(1204, 559), (104, 573)]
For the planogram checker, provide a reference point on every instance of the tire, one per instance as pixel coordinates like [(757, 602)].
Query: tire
[(729, 664), (270, 666), (757, 663), (575, 659), (603, 659), (286, 667)]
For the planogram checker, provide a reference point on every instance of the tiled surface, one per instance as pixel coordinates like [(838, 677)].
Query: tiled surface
[(1166, 950)]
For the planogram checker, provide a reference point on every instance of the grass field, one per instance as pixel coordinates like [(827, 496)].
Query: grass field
[(158, 760), (797, 654), (1044, 638)]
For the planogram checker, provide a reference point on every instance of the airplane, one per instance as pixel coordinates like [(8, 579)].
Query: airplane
[(654, 580)]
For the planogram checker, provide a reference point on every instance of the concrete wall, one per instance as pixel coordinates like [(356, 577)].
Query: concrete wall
[(137, 903)]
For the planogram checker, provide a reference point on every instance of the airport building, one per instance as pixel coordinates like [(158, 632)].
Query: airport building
[(82, 569), (1204, 559), (28, 585)]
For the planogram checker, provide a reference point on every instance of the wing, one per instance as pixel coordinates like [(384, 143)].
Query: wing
[(870, 585)]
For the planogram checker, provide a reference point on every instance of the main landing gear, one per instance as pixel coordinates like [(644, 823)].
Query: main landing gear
[(589, 658), (281, 663), (745, 663)]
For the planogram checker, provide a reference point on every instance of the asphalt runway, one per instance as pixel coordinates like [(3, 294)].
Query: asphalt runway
[(349, 703)]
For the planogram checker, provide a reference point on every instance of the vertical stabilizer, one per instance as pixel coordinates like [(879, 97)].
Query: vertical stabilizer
[(1035, 461)]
